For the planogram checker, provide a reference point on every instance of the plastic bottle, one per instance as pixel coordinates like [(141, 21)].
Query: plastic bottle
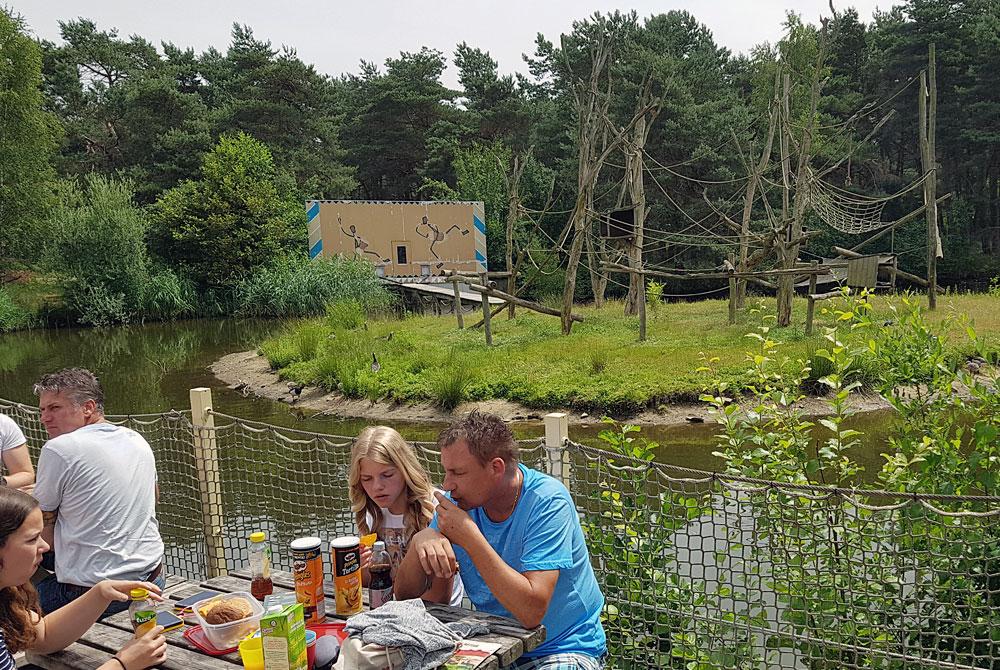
[(260, 566), (142, 611), (380, 569)]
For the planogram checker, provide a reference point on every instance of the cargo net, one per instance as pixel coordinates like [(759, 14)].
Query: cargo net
[(850, 212), (700, 570), (285, 482)]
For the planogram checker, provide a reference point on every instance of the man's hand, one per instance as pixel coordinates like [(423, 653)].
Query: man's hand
[(455, 523), (115, 590), (434, 551)]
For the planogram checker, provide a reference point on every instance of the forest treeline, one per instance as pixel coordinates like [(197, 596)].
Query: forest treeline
[(153, 181)]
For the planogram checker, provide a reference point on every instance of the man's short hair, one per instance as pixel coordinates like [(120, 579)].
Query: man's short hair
[(79, 385), (487, 435)]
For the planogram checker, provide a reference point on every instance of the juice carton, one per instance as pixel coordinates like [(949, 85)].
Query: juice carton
[(283, 634)]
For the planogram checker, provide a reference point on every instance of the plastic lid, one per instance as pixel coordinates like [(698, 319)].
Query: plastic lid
[(257, 537), (138, 594), (379, 546), (345, 542), (304, 543)]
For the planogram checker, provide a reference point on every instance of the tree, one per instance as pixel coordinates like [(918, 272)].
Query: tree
[(238, 217), (28, 139), (398, 118)]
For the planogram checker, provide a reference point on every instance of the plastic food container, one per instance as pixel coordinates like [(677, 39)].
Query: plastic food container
[(228, 635)]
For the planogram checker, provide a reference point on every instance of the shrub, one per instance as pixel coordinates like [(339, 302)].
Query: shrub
[(654, 295), (99, 249), (167, 296), (12, 315), (307, 339), (346, 314), (598, 360), (449, 386), (296, 286)]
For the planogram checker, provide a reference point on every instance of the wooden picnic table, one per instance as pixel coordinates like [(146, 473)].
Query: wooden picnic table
[(108, 636)]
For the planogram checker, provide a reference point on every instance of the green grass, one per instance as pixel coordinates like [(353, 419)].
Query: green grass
[(600, 367)]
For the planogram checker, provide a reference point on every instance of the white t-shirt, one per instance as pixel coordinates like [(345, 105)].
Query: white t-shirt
[(393, 533), (102, 479), (11, 436)]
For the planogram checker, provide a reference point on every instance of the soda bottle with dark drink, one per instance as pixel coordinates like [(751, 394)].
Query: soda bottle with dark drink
[(380, 584), (260, 567)]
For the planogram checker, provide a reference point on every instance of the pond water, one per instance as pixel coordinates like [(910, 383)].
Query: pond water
[(150, 369)]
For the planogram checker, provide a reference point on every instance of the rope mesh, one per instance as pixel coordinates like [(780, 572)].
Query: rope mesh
[(699, 570)]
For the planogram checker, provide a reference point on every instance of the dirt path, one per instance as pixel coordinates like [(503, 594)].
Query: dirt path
[(250, 372)]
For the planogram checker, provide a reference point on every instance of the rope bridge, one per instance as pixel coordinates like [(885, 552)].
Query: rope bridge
[(699, 570)]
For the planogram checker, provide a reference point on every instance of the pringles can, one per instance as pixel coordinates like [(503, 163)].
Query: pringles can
[(307, 567), (347, 574)]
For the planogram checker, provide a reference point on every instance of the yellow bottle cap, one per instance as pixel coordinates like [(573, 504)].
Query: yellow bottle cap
[(257, 537), (139, 594)]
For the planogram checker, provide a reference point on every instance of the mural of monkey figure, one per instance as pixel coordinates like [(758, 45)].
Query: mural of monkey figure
[(360, 244), (431, 229)]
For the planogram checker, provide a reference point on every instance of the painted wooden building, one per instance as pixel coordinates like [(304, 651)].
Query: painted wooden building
[(402, 239)]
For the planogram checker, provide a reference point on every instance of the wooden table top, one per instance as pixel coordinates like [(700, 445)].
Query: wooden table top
[(106, 637)]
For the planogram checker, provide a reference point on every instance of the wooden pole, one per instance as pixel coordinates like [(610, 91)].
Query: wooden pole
[(733, 290), (486, 310), (542, 309), (926, 122), (206, 459), (556, 435), (811, 306), (458, 305), (641, 298)]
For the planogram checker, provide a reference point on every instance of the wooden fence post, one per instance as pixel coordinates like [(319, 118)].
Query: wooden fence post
[(556, 434), (733, 293), (206, 458), (485, 297), (811, 307), (458, 305), (641, 298)]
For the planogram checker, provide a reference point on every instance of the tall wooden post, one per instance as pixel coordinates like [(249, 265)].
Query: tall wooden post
[(556, 434), (927, 122), (641, 297), (458, 304), (734, 296), (811, 308), (485, 297), (206, 458)]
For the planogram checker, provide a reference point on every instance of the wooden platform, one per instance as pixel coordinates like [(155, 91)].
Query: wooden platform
[(105, 638)]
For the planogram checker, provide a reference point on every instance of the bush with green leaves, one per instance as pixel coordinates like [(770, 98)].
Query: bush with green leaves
[(241, 216), (12, 315), (834, 613), (99, 250)]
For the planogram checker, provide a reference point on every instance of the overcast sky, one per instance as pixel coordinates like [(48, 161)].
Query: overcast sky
[(335, 35)]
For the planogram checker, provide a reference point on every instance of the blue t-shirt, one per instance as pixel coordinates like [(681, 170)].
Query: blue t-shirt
[(544, 533)]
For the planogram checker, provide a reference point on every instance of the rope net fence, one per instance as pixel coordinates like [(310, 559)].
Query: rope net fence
[(699, 570)]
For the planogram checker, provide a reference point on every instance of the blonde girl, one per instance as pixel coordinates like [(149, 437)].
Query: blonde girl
[(391, 494)]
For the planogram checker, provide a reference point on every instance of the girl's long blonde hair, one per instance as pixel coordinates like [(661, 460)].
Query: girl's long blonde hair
[(386, 446)]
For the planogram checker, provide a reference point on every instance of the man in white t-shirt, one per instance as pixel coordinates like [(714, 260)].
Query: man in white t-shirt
[(17, 469), (97, 491)]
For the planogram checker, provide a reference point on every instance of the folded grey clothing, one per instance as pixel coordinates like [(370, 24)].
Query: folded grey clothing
[(425, 642)]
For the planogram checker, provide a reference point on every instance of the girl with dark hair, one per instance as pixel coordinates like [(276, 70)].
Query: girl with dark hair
[(21, 624)]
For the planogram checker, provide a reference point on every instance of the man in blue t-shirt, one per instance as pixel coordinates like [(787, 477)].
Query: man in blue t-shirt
[(514, 535)]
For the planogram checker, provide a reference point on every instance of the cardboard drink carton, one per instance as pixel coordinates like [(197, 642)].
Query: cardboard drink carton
[(283, 637)]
